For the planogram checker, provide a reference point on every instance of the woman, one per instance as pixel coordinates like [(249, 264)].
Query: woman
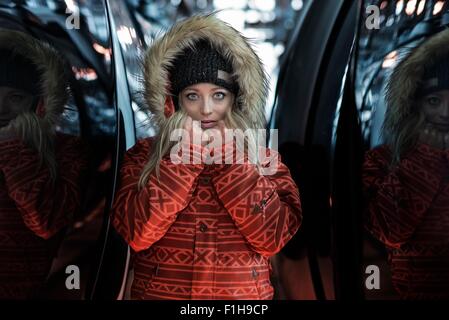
[(407, 179), (40, 171), (198, 230)]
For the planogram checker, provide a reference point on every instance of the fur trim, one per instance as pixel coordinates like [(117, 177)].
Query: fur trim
[(54, 86), (248, 69), (407, 77)]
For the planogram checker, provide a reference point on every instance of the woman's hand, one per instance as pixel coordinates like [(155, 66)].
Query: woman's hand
[(433, 137), (194, 127), (188, 126)]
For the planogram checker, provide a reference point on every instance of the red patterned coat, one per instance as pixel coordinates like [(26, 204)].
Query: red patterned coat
[(204, 231), (33, 211), (409, 213)]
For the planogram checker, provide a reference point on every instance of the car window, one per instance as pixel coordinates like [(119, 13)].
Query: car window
[(388, 84), (56, 210)]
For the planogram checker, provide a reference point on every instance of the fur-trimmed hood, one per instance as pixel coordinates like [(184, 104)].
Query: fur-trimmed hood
[(50, 65), (407, 78), (248, 69)]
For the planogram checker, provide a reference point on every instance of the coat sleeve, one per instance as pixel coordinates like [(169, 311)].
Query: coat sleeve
[(46, 207), (265, 208), (143, 217), (398, 198)]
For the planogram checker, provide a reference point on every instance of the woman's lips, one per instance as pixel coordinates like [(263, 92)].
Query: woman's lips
[(208, 124)]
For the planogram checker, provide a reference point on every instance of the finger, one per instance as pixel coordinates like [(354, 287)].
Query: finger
[(440, 140), (208, 137), (187, 134), (222, 128), (433, 138), (433, 133), (446, 141), (188, 123)]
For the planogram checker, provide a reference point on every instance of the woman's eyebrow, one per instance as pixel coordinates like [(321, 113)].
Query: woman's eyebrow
[(211, 89)]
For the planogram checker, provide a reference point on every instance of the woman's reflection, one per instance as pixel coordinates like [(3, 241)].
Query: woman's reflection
[(40, 169), (407, 179)]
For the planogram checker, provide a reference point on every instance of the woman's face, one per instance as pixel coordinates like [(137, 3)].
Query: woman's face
[(435, 107), (12, 103), (206, 102)]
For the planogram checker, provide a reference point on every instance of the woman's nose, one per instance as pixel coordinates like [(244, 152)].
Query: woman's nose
[(206, 107)]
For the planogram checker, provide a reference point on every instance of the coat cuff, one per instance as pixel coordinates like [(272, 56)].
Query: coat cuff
[(142, 217)]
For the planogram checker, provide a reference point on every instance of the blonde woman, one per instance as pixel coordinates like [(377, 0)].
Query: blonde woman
[(40, 170), (407, 179), (201, 230)]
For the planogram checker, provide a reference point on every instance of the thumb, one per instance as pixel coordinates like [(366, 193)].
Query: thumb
[(188, 123)]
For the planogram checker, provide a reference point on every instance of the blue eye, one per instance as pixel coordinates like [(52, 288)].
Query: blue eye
[(434, 101), (219, 95), (16, 98), (192, 96)]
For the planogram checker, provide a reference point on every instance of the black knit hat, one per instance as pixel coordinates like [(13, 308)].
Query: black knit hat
[(435, 78), (201, 64), (18, 72)]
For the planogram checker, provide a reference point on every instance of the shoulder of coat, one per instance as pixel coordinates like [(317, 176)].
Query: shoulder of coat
[(380, 153), (141, 147)]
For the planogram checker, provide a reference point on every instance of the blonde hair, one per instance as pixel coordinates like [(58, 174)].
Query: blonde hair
[(38, 135), (401, 132), (234, 119)]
